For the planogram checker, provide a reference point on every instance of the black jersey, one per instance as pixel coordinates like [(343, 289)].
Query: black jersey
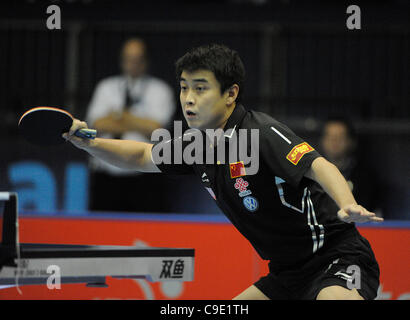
[(286, 217)]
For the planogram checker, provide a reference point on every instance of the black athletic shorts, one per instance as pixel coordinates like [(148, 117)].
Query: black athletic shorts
[(349, 263)]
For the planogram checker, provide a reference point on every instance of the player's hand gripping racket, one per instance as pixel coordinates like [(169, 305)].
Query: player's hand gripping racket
[(45, 126)]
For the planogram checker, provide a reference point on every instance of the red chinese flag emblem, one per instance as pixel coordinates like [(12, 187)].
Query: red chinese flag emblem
[(298, 151), (237, 169)]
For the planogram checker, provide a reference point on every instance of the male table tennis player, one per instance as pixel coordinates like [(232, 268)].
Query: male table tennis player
[(299, 213)]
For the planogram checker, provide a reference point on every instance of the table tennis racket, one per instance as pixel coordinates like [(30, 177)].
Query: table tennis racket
[(45, 126)]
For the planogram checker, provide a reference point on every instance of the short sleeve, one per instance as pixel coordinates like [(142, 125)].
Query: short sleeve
[(163, 153), (285, 154)]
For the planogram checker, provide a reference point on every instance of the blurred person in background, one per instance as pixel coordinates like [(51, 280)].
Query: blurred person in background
[(127, 106), (339, 145)]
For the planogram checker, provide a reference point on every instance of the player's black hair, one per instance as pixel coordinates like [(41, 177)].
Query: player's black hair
[(351, 131), (224, 62)]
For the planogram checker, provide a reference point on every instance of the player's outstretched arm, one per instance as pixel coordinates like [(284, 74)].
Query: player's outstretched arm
[(126, 154), (335, 185)]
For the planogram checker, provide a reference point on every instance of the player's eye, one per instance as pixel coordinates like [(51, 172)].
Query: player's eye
[(200, 89), (184, 88)]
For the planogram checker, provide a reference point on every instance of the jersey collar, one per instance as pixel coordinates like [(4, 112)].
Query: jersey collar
[(235, 119)]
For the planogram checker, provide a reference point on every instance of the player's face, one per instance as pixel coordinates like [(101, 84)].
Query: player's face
[(203, 105)]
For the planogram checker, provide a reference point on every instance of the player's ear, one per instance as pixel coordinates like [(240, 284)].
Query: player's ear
[(233, 92)]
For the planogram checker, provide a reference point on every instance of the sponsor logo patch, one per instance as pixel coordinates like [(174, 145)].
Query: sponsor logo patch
[(298, 151), (205, 178), (237, 169), (241, 185), (250, 203)]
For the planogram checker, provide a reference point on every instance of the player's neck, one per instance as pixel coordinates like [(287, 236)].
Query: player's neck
[(219, 133), (228, 114)]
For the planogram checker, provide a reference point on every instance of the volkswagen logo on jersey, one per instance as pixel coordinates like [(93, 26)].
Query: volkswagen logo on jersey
[(250, 203)]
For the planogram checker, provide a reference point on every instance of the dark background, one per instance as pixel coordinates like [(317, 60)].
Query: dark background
[(302, 63)]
